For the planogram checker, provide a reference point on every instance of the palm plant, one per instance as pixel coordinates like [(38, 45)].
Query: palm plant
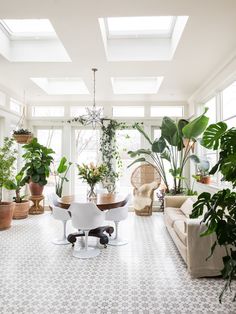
[(175, 145)]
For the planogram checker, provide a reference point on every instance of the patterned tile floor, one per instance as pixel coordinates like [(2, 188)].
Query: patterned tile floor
[(146, 276)]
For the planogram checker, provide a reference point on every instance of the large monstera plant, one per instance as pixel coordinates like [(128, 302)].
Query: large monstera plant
[(175, 145), (220, 217)]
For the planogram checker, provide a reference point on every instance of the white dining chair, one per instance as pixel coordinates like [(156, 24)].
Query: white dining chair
[(63, 215), (85, 217), (117, 215)]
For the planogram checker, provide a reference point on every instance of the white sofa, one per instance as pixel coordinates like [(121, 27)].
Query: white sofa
[(185, 233)]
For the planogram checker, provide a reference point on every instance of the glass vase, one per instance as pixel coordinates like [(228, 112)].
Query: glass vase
[(91, 194)]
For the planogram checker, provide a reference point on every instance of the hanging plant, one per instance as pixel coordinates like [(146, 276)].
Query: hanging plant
[(110, 152), (22, 136)]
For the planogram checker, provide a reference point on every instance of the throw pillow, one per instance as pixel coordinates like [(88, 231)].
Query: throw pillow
[(187, 207)]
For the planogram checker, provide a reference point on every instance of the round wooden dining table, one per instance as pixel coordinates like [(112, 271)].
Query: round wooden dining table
[(103, 201)]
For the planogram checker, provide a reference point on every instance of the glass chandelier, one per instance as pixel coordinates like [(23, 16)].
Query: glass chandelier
[(94, 114)]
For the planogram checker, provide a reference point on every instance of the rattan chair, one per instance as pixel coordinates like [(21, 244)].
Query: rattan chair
[(145, 179)]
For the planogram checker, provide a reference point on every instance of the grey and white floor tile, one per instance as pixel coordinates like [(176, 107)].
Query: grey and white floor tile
[(146, 276)]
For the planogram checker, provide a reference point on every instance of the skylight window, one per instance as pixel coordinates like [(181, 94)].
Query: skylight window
[(140, 26), (136, 85), (28, 27), (61, 86)]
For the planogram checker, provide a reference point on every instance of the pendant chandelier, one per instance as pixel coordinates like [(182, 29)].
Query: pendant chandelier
[(94, 114)]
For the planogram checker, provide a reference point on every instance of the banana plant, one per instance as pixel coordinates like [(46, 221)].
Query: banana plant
[(61, 175), (175, 145)]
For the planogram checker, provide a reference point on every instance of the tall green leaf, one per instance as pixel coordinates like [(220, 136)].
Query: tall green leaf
[(169, 131), (141, 130), (159, 145), (195, 127)]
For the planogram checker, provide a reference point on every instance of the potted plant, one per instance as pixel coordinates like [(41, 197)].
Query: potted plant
[(22, 136), (203, 171), (37, 167), (22, 206), (92, 175), (175, 145), (7, 159), (220, 208), (61, 175)]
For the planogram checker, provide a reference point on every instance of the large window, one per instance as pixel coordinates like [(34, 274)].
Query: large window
[(86, 149), (162, 111), (228, 105), (127, 140), (47, 111), (51, 137)]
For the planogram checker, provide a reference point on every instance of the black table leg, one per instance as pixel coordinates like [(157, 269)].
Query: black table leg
[(98, 233)]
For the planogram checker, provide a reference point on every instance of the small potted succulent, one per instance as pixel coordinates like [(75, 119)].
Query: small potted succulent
[(22, 136), (22, 206)]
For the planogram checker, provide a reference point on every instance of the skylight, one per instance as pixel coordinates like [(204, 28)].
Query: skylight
[(140, 26), (61, 86), (28, 27), (136, 85)]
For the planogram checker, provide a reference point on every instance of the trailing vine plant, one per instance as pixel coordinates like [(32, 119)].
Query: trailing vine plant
[(110, 152)]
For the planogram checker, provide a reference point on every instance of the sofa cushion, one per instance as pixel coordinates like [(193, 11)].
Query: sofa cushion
[(180, 229), (172, 214), (187, 207)]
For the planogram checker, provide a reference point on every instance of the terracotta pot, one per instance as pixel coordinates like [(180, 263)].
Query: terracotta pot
[(35, 188), (21, 210), (206, 180), (6, 213)]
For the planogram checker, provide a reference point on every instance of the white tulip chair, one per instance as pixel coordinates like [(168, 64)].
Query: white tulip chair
[(85, 217), (61, 214), (117, 215)]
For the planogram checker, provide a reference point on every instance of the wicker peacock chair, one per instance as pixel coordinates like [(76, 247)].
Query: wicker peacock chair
[(145, 179)]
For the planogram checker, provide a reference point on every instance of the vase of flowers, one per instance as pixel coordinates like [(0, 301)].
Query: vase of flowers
[(92, 174)]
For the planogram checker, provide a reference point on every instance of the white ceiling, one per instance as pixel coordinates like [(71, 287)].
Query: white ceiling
[(207, 42)]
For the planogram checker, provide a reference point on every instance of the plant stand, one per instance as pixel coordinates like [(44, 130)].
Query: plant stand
[(36, 208)]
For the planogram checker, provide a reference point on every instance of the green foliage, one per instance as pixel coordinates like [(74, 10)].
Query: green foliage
[(110, 152), (16, 184), (220, 208), (174, 145), (38, 160), (61, 175), (7, 159), (22, 132)]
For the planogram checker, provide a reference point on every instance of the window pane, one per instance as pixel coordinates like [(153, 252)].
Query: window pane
[(128, 111), (229, 101), (127, 140), (15, 105), (86, 150), (47, 111), (51, 138), (211, 113), (162, 111)]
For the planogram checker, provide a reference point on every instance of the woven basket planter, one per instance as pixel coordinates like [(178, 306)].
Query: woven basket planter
[(23, 138)]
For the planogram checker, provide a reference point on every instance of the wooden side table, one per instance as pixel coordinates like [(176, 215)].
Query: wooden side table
[(36, 208)]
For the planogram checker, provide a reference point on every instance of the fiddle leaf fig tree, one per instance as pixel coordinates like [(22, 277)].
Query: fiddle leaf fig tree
[(175, 145), (220, 217), (38, 160), (7, 159)]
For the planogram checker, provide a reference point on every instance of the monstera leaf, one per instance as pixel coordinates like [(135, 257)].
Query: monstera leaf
[(195, 127), (213, 134)]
